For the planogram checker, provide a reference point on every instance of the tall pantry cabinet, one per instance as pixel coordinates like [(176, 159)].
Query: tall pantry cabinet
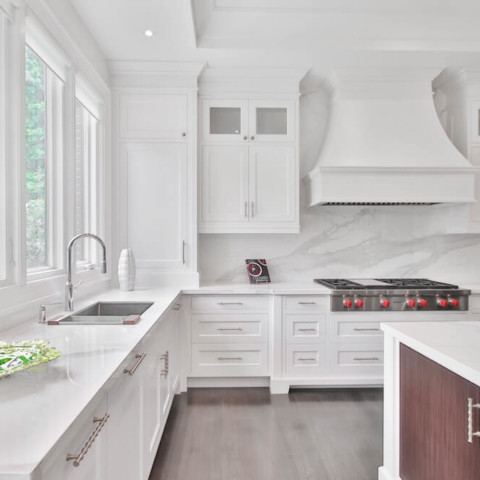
[(156, 113)]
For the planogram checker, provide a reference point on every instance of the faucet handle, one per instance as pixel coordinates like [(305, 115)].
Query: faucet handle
[(78, 284)]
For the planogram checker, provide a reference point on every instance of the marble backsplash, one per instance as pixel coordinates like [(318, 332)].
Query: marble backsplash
[(355, 242)]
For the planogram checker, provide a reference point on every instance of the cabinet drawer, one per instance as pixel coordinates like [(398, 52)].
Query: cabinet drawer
[(343, 328), (230, 327), (306, 303), (305, 360), (305, 328), (245, 360), (227, 303), (474, 303), (357, 359)]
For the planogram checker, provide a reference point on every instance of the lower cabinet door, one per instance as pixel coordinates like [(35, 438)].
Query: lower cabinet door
[(434, 421), (124, 434), (82, 452)]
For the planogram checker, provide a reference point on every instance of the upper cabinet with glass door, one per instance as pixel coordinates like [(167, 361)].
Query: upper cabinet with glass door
[(247, 121)]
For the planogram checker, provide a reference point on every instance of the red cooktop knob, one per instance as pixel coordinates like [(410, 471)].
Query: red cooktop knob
[(454, 302), (359, 303), (347, 303), (411, 303), (385, 302), (422, 302), (442, 302)]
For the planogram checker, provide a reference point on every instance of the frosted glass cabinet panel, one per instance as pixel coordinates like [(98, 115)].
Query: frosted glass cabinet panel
[(248, 121), (271, 121)]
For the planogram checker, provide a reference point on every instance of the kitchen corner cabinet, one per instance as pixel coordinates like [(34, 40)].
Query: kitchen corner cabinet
[(249, 167), (434, 421)]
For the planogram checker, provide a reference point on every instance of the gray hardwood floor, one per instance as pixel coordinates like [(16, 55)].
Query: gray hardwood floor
[(248, 434)]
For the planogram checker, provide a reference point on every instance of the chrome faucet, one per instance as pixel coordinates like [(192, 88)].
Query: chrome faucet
[(69, 285)]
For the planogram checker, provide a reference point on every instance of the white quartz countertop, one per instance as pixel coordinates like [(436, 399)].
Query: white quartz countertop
[(38, 405), (277, 288), (454, 345)]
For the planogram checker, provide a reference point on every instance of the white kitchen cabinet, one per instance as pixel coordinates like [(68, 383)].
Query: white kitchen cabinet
[(81, 452), (249, 189), (248, 121), (124, 432), (154, 116), (156, 210), (249, 180), (229, 335)]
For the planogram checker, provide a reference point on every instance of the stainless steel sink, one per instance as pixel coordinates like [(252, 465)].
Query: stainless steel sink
[(105, 313)]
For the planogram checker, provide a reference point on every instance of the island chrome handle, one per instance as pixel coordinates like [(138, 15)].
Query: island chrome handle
[(365, 358), (78, 458), (470, 432), (139, 358), (164, 357), (230, 358)]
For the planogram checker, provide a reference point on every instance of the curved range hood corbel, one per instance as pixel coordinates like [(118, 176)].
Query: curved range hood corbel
[(385, 144)]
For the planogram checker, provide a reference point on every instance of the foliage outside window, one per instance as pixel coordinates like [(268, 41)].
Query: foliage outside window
[(36, 161)]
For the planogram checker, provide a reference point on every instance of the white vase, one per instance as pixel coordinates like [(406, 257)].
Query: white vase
[(126, 269)]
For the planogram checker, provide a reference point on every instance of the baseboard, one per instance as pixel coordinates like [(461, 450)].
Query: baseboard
[(226, 382)]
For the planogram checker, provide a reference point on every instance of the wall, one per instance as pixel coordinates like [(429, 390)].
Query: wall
[(347, 241)]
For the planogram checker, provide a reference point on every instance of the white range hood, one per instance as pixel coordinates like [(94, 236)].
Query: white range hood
[(385, 144)]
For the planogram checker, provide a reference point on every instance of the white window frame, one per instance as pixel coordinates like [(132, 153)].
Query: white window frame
[(55, 126), (5, 264)]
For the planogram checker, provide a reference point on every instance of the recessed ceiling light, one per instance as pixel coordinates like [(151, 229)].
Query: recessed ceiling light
[(148, 33)]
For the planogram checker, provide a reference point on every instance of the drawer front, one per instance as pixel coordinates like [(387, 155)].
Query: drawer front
[(356, 359), (346, 329), (229, 303), (230, 327), (474, 303), (305, 328), (305, 303), (244, 360), (306, 361)]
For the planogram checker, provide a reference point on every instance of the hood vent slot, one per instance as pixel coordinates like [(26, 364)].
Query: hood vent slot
[(382, 204)]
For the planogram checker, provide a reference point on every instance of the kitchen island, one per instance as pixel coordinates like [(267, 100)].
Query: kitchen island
[(431, 371)]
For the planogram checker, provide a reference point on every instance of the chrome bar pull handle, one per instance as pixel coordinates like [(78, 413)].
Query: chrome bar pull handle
[(238, 359), (78, 458), (229, 303), (246, 209), (372, 359), (307, 329), (253, 209), (183, 252), (470, 432), (139, 358)]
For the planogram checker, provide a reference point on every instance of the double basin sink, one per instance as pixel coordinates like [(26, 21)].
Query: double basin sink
[(105, 313)]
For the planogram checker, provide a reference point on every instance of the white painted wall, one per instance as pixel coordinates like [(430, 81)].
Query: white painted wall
[(347, 241)]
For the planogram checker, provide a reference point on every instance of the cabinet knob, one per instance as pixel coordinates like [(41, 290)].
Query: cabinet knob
[(184, 134), (252, 138), (245, 137)]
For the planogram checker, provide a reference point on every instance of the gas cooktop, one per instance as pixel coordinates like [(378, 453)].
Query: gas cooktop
[(379, 283), (393, 294)]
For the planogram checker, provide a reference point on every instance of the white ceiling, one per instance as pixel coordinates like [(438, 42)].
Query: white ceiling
[(287, 32)]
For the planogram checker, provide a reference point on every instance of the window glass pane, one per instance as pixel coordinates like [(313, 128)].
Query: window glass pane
[(225, 120), (272, 121), (3, 172), (36, 161), (85, 186)]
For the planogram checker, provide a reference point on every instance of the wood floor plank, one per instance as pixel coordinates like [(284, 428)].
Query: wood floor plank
[(248, 434)]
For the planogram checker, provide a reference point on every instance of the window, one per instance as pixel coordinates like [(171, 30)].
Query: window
[(86, 180), (44, 107), (3, 152)]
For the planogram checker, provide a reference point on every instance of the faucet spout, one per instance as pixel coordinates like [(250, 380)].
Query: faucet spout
[(69, 285)]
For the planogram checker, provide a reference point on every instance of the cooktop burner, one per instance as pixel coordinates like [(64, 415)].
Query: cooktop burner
[(378, 283)]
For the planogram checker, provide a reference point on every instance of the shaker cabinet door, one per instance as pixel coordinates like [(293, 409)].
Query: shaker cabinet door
[(156, 198), (224, 184)]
